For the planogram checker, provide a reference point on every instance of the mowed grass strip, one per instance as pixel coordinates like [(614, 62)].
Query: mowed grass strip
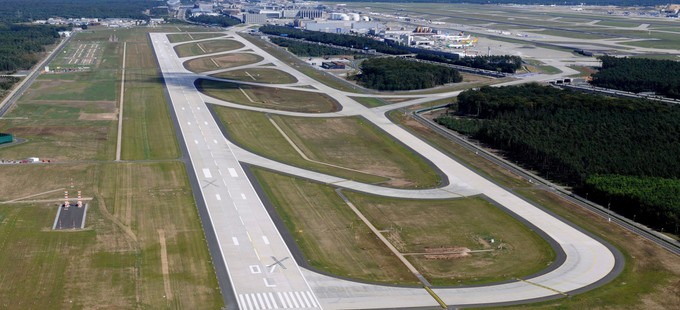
[(254, 132), (269, 97), (259, 75), (204, 64), (182, 37), (148, 132), (512, 250), (355, 143), (331, 237), (207, 47), (349, 143)]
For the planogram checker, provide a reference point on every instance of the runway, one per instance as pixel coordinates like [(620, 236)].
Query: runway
[(260, 268)]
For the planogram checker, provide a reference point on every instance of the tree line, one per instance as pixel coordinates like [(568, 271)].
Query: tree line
[(222, 20), (498, 63), (573, 137), (29, 10), (401, 74), (639, 75), (20, 44), (305, 49)]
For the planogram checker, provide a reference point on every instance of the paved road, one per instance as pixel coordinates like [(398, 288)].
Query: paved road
[(241, 225)]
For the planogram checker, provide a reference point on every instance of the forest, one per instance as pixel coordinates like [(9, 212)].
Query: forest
[(574, 137), (222, 21), (304, 49), (29, 10), (639, 75), (20, 45), (498, 63), (401, 74)]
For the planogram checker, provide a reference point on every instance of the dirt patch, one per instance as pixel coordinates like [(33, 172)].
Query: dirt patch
[(446, 252), (98, 116)]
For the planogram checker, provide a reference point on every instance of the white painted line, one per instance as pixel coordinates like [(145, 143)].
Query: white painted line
[(232, 172), (198, 108), (218, 197), (259, 299), (271, 296), (257, 254), (311, 298), (240, 218), (285, 295), (292, 297), (283, 303), (205, 123), (189, 123), (266, 300), (214, 141), (182, 108), (266, 241), (228, 191), (255, 269), (196, 141), (235, 240), (250, 305), (218, 170), (249, 239), (206, 173), (267, 284), (242, 300), (305, 298), (243, 196)]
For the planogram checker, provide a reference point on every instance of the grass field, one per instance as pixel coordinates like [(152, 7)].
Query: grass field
[(323, 77), (367, 154), (204, 64), (416, 226), (267, 97), (148, 132), (182, 37), (260, 75), (331, 236), (116, 261), (142, 220), (651, 276), (333, 239), (207, 47)]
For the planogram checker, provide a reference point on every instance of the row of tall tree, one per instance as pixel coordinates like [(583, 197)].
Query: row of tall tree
[(572, 137), (402, 74), (20, 44), (639, 75), (305, 49), (29, 10), (222, 20), (497, 63)]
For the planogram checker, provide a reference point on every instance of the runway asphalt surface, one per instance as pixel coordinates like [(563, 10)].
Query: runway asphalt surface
[(260, 269)]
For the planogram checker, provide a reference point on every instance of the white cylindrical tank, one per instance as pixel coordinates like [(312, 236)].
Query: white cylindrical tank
[(365, 18), (344, 17), (354, 17)]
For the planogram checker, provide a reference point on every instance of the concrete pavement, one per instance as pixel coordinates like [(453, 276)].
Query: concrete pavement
[(241, 225)]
